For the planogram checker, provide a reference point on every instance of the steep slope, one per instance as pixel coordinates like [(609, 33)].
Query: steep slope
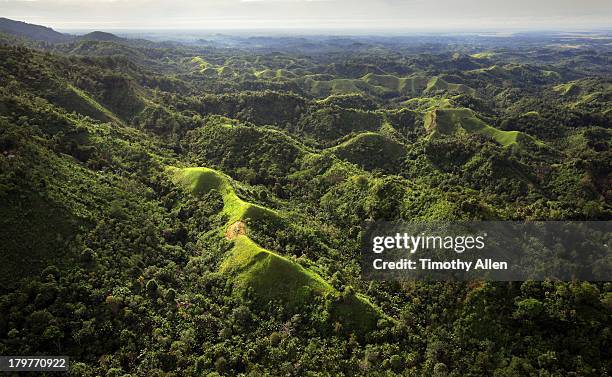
[(31, 31), (100, 92), (399, 85), (381, 85), (53, 188), (269, 275), (201, 180), (439, 84), (464, 121), (267, 153), (521, 75), (371, 150)]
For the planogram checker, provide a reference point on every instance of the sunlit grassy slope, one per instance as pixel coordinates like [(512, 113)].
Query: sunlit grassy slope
[(95, 105), (453, 121), (382, 85), (200, 181), (402, 85), (270, 276), (437, 83)]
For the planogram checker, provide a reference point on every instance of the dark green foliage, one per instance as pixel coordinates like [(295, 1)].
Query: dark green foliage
[(266, 107), (350, 101), (269, 155), (329, 124), (107, 260), (372, 151)]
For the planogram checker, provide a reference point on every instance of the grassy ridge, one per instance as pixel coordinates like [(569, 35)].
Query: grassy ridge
[(270, 276), (383, 85), (94, 104), (199, 181), (273, 277), (453, 121), (436, 83)]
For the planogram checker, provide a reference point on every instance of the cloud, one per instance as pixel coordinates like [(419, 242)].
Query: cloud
[(361, 14), (284, 1)]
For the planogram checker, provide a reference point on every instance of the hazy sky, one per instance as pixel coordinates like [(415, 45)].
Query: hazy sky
[(415, 15)]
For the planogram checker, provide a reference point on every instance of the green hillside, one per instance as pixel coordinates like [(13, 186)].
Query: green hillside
[(383, 86), (196, 204), (271, 277), (201, 180), (274, 278), (464, 121), (32, 31), (400, 85), (436, 83), (371, 150)]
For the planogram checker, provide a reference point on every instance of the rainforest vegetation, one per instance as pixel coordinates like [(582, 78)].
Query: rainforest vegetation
[(196, 208)]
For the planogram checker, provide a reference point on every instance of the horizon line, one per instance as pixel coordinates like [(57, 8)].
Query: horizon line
[(312, 25)]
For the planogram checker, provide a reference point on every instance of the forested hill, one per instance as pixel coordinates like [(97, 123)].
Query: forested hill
[(174, 209), (35, 32)]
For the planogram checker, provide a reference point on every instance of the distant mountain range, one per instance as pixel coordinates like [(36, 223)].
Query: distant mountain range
[(46, 34)]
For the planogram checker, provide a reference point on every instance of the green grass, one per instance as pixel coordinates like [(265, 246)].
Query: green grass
[(427, 103), (437, 83), (275, 74), (95, 104), (320, 88), (200, 181), (225, 71), (505, 138), (483, 55), (413, 85), (494, 70), (387, 81), (337, 86), (457, 121), (203, 64), (356, 313), (552, 74), (271, 276), (381, 85), (567, 89), (210, 69), (531, 114), (400, 85)]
